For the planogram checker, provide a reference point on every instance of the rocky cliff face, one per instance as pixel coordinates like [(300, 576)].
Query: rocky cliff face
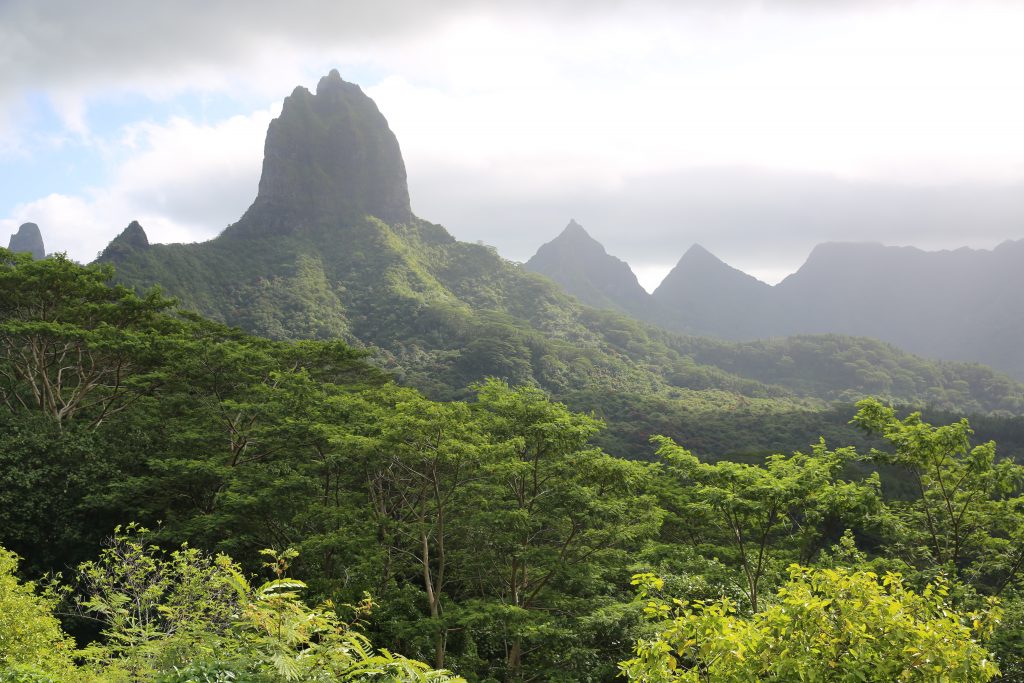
[(330, 155), (28, 238), (581, 265)]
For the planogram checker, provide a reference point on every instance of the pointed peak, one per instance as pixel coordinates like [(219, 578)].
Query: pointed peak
[(699, 270), (131, 238), (698, 253), (574, 229), (134, 235), (328, 157), (333, 83)]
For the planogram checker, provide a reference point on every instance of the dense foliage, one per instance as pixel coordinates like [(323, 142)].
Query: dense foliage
[(824, 625), (184, 616), (441, 315), (497, 540)]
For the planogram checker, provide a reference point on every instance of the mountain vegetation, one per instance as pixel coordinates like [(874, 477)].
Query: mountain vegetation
[(493, 537), (352, 448), (319, 256)]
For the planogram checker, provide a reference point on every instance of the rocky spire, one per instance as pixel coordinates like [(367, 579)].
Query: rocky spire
[(28, 238), (330, 155)]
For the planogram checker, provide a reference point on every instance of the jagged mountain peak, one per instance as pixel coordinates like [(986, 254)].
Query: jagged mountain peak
[(705, 295), (700, 271), (697, 253), (134, 235), (573, 238), (329, 157), (332, 85), (574, 229), (582, 266), (28, 238)]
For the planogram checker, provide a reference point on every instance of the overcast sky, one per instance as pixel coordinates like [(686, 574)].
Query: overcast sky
[(757, 129)]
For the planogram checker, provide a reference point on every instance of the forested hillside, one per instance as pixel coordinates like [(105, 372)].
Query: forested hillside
[(319, 255), (495, 538), (355, 448)]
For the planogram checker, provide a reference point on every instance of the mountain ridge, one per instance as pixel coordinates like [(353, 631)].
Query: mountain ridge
[(440, 314), (848, 288)]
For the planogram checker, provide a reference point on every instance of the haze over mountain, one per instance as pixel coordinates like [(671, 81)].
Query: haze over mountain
[(959, 305), (581, 265), (330, 249), (702, 293), (955, 305)]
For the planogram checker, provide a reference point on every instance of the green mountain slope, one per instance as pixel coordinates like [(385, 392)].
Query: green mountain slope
[(329, 248)]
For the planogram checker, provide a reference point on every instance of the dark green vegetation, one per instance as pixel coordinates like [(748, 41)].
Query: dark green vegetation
[(495, 538), (330, 250), (495, 528)]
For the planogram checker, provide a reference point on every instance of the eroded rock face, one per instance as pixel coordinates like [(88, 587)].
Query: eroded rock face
[(28, 238), (330, 154)]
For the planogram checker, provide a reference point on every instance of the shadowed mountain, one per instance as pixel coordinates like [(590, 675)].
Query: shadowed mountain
[(581, 265), (330, 249), (328, 156), (704, 295), (28, 239), (957, 305), (960, 305)]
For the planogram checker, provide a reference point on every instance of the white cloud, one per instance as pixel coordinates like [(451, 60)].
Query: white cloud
[(906, 93), (514, 117), (182, 181)]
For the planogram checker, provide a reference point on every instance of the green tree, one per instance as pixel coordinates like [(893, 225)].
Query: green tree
[(969, 509), (185, 616), (824, 625), (763, 517), (70, 342), (423, 455), (31, 639), (554, 521)]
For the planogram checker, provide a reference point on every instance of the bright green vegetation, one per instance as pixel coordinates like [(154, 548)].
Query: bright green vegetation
[(330, 250), (183, 617), (825, 625), (439, 315), (496, 537)]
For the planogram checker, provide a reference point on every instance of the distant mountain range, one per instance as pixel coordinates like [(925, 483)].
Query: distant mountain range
[(331, 249), (955, 305)]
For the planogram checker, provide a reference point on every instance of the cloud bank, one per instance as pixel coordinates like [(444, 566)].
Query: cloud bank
[(755, 128)]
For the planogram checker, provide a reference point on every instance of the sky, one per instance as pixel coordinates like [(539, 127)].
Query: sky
[(754, 128)]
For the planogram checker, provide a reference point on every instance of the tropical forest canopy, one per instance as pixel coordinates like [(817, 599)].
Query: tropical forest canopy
[(179, 473), (351, 447)]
